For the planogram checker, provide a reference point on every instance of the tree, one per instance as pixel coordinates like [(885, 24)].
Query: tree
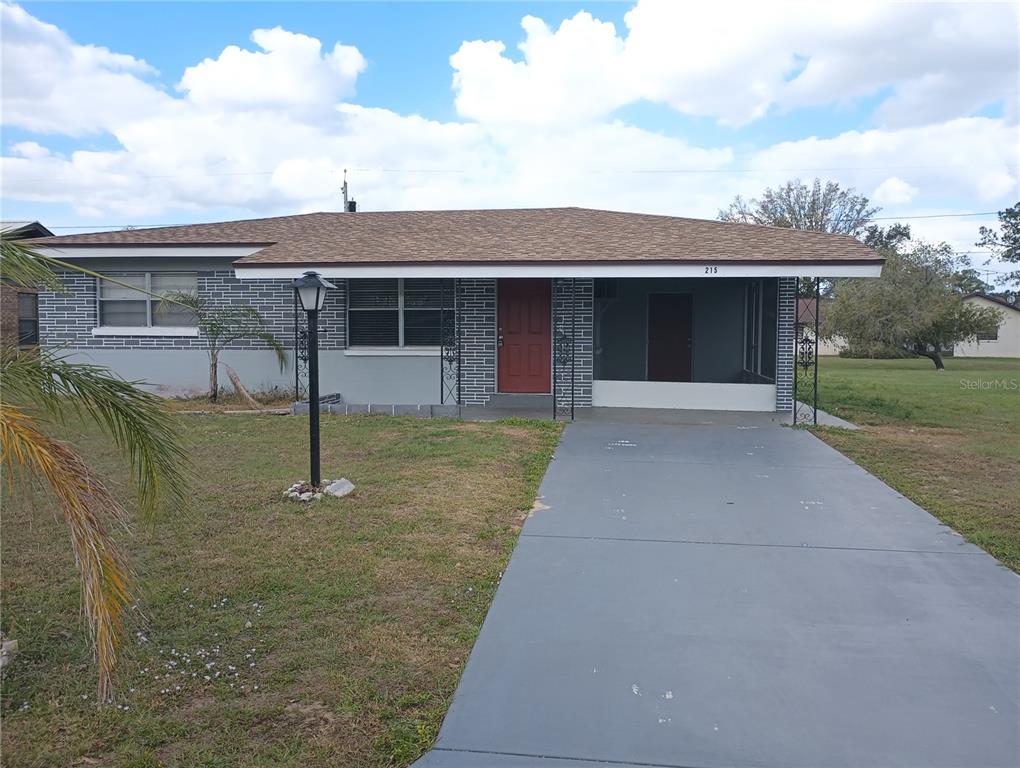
[(968, 280), (892, 236), (1006, 243), (41, 391), (794, 205), (913, 308), (222, 326)]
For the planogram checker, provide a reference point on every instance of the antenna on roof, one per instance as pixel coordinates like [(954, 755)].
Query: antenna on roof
[(350, 206)]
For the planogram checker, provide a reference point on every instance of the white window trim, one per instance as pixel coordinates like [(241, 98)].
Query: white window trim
[(140, 330), (400, 348), (145, 330)]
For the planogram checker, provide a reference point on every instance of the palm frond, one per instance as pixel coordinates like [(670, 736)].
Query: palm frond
[(274, 344), (223, 325), (142, 429), (22, 265), (87, 506)]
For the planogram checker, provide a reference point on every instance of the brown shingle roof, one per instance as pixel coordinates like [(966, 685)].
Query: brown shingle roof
[(533, 235)]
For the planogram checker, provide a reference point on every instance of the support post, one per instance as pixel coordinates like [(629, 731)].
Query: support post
[(796, 353), (818, 294), (457, 333), (313, 394), (450, 345), (297, 347), (442, 342)]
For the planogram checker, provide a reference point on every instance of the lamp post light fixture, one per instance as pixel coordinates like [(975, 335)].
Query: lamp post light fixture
[(311, 290)]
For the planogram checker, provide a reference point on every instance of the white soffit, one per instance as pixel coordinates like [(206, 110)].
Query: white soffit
[(154, 252), (721, 269)]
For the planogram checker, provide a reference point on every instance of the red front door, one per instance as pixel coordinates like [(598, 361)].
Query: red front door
[(524, 320)]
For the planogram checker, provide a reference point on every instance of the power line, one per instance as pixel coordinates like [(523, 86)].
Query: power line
[(935, 216), (652, 171)]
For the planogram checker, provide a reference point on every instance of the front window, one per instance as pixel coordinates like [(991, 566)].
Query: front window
[(28, 319), (133, 301), (398, 312)]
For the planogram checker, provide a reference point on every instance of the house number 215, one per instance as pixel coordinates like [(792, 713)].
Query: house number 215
[(711, 270)]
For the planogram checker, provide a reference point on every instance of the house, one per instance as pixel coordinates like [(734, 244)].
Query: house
[(19, 311), (1004, 341), (471, 307)]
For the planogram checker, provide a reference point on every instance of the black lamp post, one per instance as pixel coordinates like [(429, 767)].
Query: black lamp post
[(311, 290)]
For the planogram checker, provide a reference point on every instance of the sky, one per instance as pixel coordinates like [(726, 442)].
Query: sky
[(129, 114)]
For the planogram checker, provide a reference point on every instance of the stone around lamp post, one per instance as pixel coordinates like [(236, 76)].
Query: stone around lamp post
[(304, 491)]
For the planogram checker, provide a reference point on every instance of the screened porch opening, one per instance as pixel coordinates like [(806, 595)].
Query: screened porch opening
[(703, 343)]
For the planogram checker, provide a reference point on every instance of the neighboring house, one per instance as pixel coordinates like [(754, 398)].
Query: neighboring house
[(806, 316), (1004, 341), (607, 308), (19, 309)]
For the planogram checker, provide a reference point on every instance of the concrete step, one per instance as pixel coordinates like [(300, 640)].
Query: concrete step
[(520, 401)]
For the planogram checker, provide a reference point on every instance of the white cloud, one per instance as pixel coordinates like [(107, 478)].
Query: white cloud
[(894, 191), (29, 149), (270, 130), (736, 62), (567, 76), (972, 156), (289, 72), (52, 85)]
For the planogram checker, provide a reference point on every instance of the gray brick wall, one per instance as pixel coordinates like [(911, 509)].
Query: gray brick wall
[(583, 339), (786, 342), (477, 302), (66, 319)]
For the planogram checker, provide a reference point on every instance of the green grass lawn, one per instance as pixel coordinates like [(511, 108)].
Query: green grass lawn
[(950, 441), (268, 632)]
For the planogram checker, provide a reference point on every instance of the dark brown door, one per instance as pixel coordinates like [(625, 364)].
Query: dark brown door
[(524, 320), (669, 337)]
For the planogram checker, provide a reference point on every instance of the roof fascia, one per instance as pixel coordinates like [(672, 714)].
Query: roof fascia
[(563, 270)]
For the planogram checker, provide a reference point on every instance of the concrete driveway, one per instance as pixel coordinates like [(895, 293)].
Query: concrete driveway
[(736, 595)]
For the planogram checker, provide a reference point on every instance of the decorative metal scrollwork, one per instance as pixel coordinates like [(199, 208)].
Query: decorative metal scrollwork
[(805, 368), (300, 351), (564, 373), (450, 343)]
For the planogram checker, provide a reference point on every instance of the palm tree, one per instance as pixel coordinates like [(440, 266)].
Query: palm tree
[(41, 391), (222, 326)]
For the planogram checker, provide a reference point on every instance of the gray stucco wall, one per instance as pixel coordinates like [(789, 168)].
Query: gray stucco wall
[(176, 372), (718, 317)]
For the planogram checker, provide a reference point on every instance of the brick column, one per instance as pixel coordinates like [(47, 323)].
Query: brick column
[(477, 303), (785, 343)]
